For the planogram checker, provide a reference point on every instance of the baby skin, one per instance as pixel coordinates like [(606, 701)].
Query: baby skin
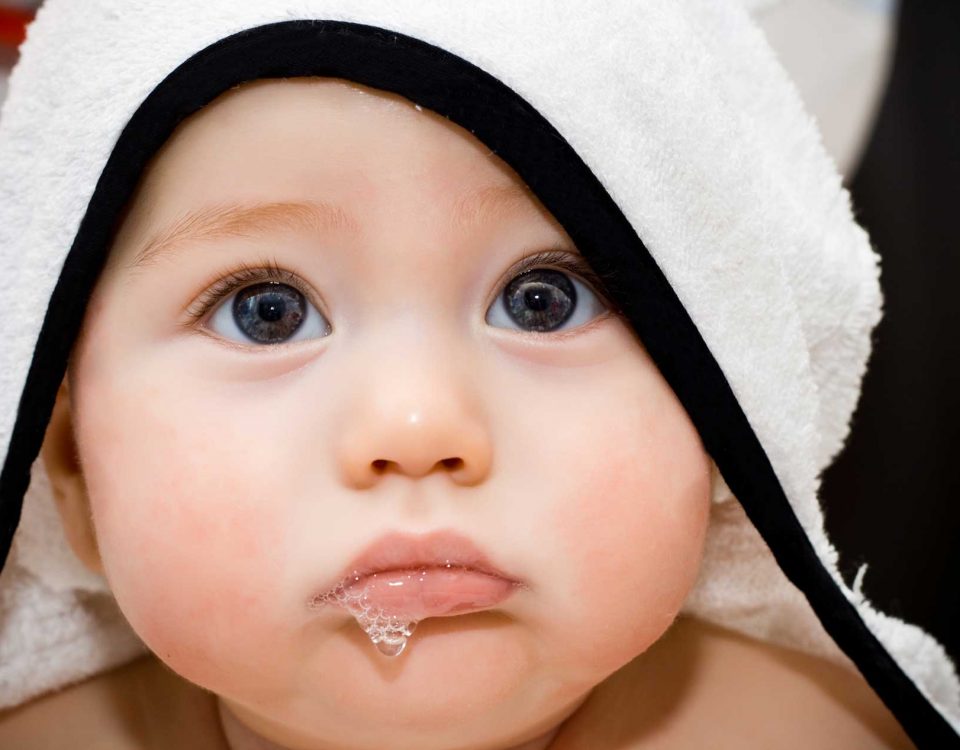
[(330, 318)]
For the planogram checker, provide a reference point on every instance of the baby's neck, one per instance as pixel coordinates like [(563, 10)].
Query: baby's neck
[(239, 737)]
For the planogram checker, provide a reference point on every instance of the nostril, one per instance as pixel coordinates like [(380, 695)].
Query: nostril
[(381, 465)]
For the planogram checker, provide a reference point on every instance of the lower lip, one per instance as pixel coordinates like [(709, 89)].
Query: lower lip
[(431, 592)]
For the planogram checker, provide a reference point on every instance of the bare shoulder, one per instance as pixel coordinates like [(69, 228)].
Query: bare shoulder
[(139, 706), (704, 686), (88, 714), (794, 698)]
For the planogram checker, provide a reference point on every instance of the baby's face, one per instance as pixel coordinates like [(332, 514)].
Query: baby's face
[(254, 405)]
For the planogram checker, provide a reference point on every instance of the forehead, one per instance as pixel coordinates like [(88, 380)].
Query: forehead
[(344, 147), (297, 136)]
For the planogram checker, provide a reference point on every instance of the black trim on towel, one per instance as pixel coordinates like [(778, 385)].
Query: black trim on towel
[(514, 130)]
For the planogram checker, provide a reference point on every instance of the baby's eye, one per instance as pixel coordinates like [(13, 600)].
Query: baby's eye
[(270, 312), (544, 299)]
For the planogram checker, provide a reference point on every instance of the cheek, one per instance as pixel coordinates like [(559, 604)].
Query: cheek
[(183, 544), (632, 528)]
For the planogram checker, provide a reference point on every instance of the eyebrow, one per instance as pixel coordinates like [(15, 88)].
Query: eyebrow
[(235, 220)]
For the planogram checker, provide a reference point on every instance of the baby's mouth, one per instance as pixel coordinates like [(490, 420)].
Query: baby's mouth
[(412, 577), (388, 604), (425, 591), (400, 579)]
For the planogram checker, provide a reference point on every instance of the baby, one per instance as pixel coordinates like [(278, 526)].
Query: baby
[(372, 457)]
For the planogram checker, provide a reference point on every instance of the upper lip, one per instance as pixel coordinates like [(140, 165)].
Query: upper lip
[(397, 551)]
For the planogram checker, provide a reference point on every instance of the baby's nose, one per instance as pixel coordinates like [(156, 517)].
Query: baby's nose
[(435, 438), (415, 420)]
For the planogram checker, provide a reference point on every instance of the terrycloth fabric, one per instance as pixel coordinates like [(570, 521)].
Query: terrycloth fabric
[(682, 113)]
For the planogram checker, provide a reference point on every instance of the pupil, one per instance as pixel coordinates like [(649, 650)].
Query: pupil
[(271, 308), (536, 299), (269, 313), (540, 300)]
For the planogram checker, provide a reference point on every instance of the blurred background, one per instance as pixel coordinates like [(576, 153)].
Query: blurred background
[(13, 16), (883, 80)]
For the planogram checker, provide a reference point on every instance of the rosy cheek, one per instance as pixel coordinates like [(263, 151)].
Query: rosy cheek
[(190, 552), (632, 533)]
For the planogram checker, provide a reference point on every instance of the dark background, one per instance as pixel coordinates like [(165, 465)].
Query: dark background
[(892, 498)]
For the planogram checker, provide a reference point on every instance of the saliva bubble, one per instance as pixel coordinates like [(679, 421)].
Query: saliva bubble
[(388, 633)]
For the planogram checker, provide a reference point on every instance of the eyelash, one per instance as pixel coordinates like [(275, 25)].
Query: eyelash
[(560, 259), (269, 270), (242, 276)]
